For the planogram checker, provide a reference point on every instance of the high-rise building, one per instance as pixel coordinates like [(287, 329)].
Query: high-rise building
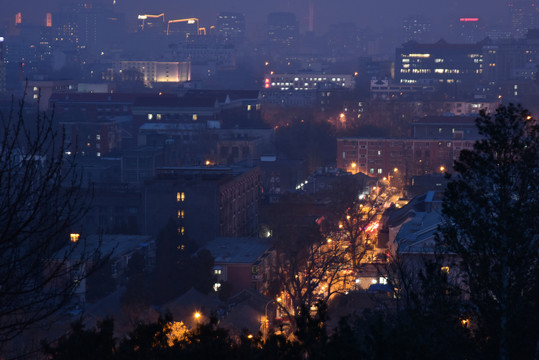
[(524, 15), (417, 28), (231, 26), (283, 29), (152, 23), (86, 26), (459, 66), (183, 29), (66, 25), (468, 30)]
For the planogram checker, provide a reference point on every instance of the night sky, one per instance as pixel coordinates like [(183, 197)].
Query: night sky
[(378, 14)]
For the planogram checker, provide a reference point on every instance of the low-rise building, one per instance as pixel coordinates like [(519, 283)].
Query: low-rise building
[(242, 262)]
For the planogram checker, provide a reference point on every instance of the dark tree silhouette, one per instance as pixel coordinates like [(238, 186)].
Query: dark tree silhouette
[(40, 201), (491, 208)]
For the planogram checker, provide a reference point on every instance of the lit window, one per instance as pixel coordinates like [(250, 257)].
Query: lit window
[(217, 271), (181, 214), (181, 231), (150, 116), (36, 96), (248, 107), (445, 269), (379, 171), (195, 117), (74, 237), (158, 117), (98, 137), (180, 197), (35, 88)]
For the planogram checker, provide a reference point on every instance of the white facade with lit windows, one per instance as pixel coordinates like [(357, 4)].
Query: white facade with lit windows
[(312, 81), (439, 63)]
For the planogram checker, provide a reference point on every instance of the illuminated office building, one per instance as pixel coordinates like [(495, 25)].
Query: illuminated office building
[(307, 81), (440, 63), (156, 71)]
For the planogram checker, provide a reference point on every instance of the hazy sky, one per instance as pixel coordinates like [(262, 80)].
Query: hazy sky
[(374, 13)]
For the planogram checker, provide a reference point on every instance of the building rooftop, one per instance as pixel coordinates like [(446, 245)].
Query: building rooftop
[(418, 235), (237, 250), (116, 244)]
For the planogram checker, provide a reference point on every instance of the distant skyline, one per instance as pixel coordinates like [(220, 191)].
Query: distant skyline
[(375, 14)]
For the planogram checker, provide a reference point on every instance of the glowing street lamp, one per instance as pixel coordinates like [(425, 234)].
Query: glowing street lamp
[(197, 315)]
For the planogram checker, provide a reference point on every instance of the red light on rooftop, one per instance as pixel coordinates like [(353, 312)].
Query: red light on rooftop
[(267, 86), (267, 80), (468, 19)]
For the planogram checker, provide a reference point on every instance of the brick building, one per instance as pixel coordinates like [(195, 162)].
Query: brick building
[(398, 157), (204, 201)]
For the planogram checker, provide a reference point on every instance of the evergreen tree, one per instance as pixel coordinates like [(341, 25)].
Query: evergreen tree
[(491, 209)]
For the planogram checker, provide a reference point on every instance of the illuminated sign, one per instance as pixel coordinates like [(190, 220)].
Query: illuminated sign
[(419, 55), (469, 19)]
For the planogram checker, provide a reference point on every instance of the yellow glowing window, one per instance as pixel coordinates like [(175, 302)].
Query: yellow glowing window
[(445, 269), (195, 117), (181, 214), (181, 231), (180, 197), (74, 237)]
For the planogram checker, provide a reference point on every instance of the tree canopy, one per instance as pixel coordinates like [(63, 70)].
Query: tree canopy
[(491, 209)]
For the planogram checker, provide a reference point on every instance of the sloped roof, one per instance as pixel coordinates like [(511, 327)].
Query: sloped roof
[(237, 250), (417, 235)]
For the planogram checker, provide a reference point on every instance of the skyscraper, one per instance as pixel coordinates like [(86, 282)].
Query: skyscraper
[(231, 27), (417, 28), (283, 29), (524, 15)]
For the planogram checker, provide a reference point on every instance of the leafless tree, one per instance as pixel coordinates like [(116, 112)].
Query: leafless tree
[(40, 201), (309, 269)]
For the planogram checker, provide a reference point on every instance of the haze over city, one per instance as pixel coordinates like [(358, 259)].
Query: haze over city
[(376, 14), (290, 180)]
